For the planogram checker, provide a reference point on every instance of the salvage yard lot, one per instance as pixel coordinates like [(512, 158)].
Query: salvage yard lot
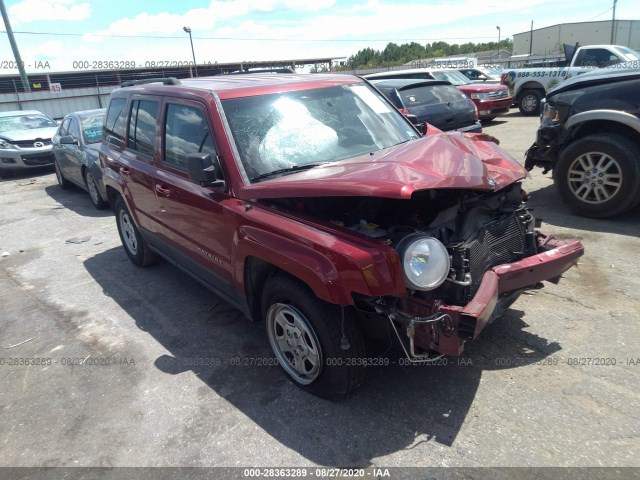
[(139, 367)]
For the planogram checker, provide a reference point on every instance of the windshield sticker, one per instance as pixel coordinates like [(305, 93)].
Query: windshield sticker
[(370, 98), (93, 132)]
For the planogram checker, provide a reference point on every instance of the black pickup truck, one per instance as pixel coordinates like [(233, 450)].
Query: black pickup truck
[(589, 136)]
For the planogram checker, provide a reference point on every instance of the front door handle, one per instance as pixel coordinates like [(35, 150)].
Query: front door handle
[(125, 171), (163, 191)]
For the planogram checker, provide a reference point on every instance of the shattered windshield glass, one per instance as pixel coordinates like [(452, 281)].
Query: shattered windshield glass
[(277, 132)]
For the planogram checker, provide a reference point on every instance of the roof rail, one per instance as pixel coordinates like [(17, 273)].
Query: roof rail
[(163, 80)]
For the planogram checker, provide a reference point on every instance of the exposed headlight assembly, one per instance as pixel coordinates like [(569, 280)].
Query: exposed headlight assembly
[(549, 114), (425, 261)]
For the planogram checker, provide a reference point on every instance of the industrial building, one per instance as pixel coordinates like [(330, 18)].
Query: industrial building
[(547, 42)]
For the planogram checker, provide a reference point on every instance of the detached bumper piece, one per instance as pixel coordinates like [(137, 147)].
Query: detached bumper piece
[(450, 326)]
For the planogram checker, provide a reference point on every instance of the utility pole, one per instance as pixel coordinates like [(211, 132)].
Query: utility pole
[(14, 47), (531, 40), (613, 23)]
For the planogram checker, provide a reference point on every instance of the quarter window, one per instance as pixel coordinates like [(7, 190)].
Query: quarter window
[(186, 131), (64, 128), (142, 126), (73, 129), (114, 121)]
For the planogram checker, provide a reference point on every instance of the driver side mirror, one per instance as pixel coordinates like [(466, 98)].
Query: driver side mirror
[(204, 170), (422, 127), (68, 140)]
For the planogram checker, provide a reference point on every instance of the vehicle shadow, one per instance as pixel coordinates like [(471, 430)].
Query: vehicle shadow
[(77, 200), (397, 408), (24, 175), (548, 206)]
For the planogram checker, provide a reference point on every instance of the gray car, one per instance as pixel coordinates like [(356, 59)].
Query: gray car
[(25, 140), (75, 147), (435, 102)]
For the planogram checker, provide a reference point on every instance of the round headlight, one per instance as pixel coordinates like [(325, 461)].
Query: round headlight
[(425, 262)]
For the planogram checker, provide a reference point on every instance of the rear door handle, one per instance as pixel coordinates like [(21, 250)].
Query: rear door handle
[(125, 171), (163, 191)]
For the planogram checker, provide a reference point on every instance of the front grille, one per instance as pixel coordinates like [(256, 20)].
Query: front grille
[(498, 94), (30, 143), (39, 159), (498, 242)]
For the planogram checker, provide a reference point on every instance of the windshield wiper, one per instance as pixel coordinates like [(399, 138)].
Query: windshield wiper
[(295, 168)]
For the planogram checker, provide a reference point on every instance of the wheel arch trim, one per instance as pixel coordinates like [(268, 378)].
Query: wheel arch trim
[(605, 115)]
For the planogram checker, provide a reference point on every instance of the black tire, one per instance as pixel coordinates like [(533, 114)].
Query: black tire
[(618, 159), (135, 246), (529, 102), (63, 182), (94, 193), (293, 314)]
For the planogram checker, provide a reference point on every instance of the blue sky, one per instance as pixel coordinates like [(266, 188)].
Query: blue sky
[(235, 30)]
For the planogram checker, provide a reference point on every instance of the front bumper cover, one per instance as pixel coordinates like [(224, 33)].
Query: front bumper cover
[(466, 323)]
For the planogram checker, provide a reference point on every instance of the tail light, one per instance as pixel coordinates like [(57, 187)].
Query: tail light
[(475, 109)]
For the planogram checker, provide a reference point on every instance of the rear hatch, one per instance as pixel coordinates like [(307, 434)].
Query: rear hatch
[(443, 106)]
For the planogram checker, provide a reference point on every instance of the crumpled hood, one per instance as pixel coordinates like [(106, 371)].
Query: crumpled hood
[(29, 134), (446, 160)]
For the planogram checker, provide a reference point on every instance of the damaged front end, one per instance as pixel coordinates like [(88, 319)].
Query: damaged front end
[(495, 254), (466, 256)]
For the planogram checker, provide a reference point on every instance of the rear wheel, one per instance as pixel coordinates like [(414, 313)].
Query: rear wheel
[(94, 193), (599, 175), (63, 182), (529, 102), (135, 246), (306, 335)]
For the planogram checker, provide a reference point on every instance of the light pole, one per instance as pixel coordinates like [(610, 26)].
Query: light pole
[(498, 27), (613, 22), (188, 30)]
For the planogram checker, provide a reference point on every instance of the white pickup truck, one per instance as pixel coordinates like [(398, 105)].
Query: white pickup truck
[(529, 85)]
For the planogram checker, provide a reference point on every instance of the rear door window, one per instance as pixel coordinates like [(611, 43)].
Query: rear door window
[(430, 95)]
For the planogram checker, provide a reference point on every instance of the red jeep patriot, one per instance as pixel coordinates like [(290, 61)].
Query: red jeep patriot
[(311, 203)]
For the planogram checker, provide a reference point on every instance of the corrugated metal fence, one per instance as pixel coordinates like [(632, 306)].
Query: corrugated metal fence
[(57, 105)]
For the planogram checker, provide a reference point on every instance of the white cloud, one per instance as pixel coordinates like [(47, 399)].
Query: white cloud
[(33, 10), (162, 23)]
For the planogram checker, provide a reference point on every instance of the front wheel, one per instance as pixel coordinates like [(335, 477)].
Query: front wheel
[(529, 102), (135, 246), (94, 193), (306, 336), (599, 175), (63, 182)]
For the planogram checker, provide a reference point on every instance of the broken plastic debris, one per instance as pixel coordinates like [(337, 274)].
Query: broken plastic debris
[(17, 344), (5, 254), (78, 240)]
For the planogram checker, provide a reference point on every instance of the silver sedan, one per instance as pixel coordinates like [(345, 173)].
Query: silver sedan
[(75, 147)]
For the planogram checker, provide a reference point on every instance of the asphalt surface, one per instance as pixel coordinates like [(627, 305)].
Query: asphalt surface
[(125, 366)]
